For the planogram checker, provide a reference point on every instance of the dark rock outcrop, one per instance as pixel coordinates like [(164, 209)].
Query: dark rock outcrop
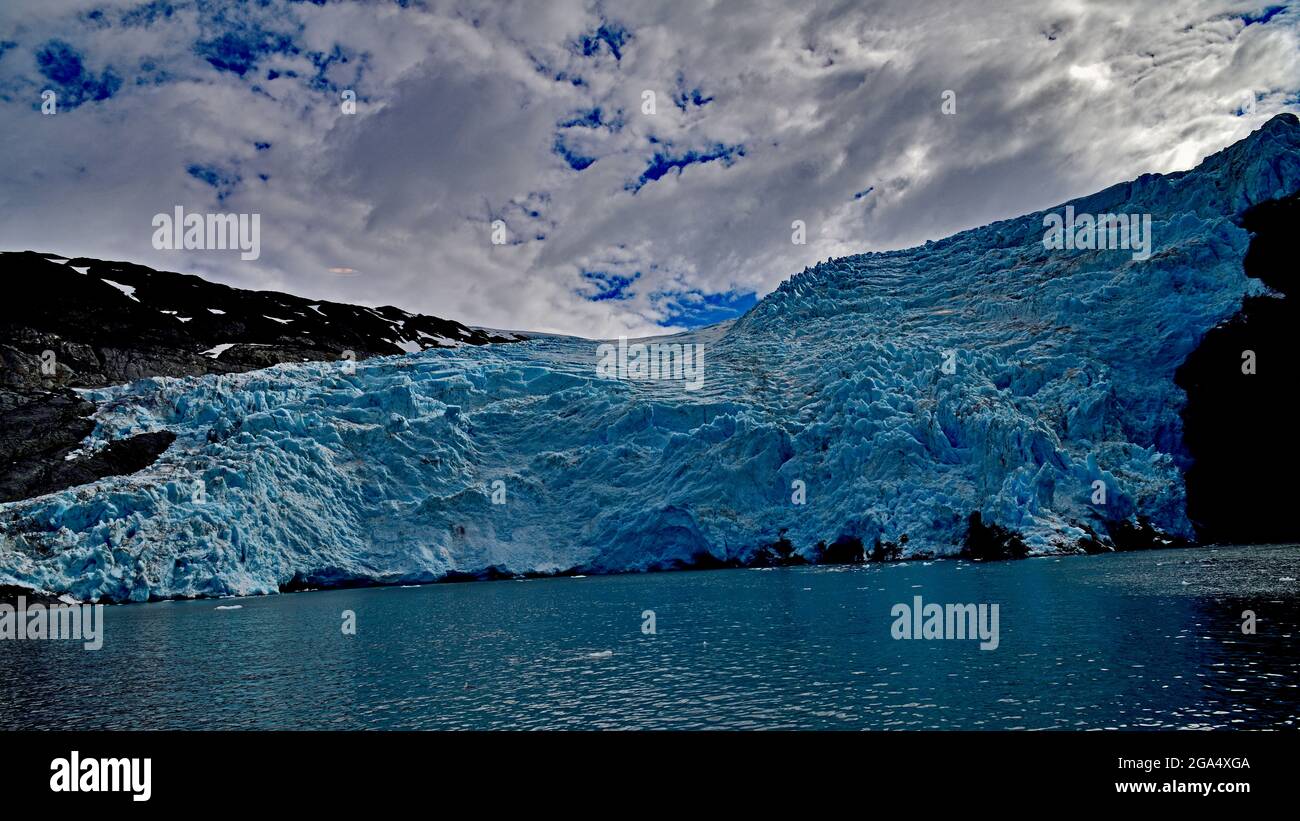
[(85, 323), (1239, 426), (991, 542), (34, 477)]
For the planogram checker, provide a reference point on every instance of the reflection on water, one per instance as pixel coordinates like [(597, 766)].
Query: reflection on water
[(1141, 640)]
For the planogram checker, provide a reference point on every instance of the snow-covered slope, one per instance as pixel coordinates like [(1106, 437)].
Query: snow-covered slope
[(833, 385)]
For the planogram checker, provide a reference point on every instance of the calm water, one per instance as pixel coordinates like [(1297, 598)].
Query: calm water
[(1125, 641)]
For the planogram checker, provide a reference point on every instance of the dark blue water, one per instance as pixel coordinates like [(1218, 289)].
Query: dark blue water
[(1122, 641)]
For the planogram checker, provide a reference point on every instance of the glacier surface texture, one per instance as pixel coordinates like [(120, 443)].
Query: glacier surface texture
[(1064, 376)]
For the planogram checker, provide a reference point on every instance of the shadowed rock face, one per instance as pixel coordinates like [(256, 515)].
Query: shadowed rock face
[(96, 323), (1237, 425), (117, 458)]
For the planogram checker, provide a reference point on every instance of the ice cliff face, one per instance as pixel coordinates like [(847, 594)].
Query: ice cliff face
[(832, 391)]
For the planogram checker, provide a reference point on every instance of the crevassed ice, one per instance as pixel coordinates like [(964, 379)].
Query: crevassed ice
[(1064, 376)]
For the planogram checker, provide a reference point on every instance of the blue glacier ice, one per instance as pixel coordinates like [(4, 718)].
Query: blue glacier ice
[(1064, 366)]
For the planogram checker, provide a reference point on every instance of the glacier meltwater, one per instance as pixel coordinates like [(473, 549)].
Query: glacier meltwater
[(832, 391)]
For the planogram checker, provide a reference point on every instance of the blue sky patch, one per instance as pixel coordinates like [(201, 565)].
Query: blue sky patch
[(61, 64), (238, 52), (695, 309), (694, 97), (95, 18), (607, 286), (576, 160), (663, 162), (609, 36), (147, 14), (686, 97), (336, 57), (1263, 16), (223, 182), (594, 118)]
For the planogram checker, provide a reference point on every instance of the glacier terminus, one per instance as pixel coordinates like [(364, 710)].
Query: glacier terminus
[(886, 402)]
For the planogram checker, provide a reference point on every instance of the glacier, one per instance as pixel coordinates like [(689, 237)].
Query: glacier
[(826, 417)]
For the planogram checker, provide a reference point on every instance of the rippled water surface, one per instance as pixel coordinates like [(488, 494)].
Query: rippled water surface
[(1126, 641)]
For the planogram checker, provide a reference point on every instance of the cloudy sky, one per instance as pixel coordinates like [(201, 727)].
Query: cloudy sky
[(618, 220)]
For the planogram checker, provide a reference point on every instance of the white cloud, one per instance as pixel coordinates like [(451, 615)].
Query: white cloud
[(457, 125)]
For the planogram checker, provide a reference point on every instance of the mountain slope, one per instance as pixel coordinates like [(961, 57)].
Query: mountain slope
[(97, 323), (827, 426)]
